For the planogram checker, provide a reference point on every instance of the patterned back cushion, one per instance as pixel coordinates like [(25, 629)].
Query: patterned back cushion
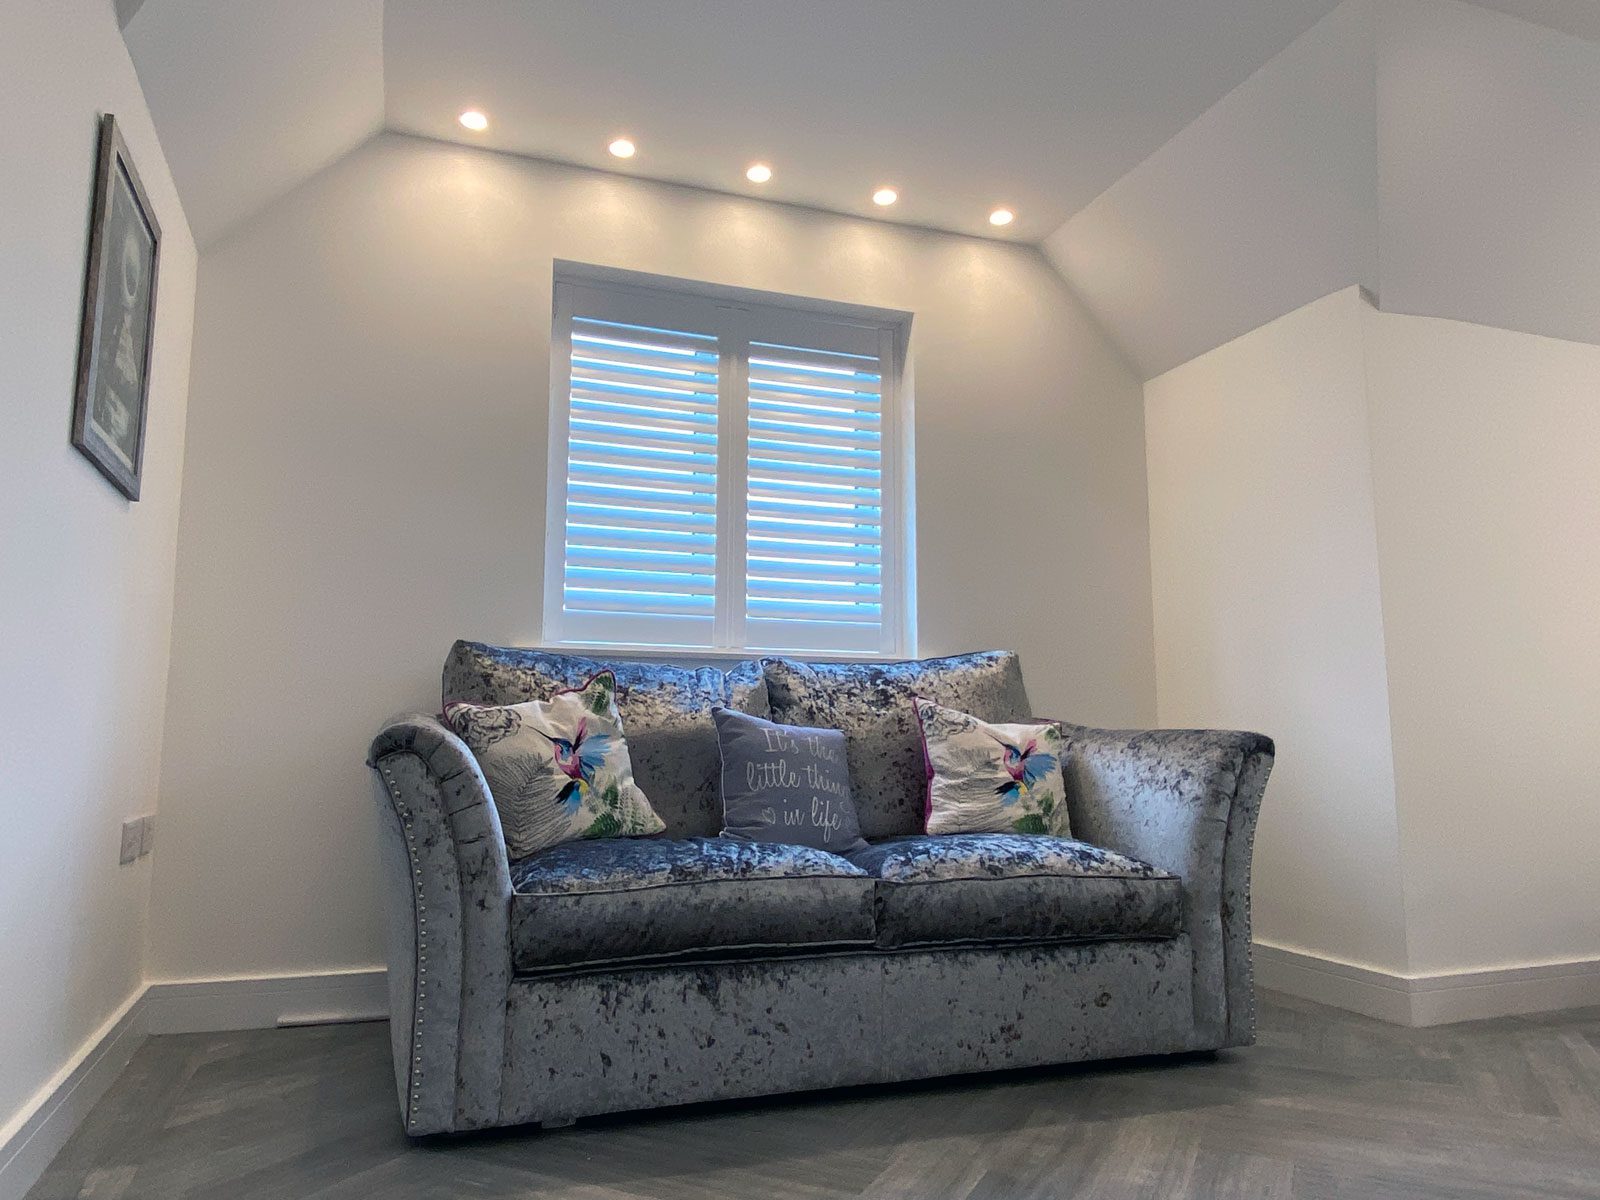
[(557, 769), (872, 704), (666, 713), (992, 778)]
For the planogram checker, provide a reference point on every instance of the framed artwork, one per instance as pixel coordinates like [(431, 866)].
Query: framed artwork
[(119, 305)]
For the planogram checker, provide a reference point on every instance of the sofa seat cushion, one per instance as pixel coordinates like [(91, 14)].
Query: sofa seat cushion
[(630, 900), (1002, 887)]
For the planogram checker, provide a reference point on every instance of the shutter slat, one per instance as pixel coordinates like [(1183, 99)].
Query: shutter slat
[(637, 453), (795, 450), (611, 408), (640, 433), (815, 589), (856, 614), (765, 565), (580, 599), (631, 516), (765, 546), (813, 431), (789, 527), (764, 469), (652, 581), (627, 558)]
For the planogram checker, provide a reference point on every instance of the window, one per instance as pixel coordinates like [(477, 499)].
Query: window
[(726, 472)]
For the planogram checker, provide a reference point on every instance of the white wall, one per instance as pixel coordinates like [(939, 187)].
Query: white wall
[(1372, 536), (1486, 465), (1264, 203), (1489, 169), (85, 576), (1267, 613), (366, 483)]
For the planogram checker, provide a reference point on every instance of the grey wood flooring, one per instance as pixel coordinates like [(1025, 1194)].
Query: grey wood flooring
[(1325, 1105)]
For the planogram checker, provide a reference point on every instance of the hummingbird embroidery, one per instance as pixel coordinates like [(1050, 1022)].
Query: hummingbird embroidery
[(578, 760), (1027, 766)]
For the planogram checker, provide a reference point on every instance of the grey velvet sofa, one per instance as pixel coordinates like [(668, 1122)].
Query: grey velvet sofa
[(617, 974)]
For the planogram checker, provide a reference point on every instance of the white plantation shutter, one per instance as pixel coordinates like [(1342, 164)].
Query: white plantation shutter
[(723, 475), (814, 499)]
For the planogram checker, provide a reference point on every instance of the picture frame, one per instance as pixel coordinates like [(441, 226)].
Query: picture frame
[(111, 399)]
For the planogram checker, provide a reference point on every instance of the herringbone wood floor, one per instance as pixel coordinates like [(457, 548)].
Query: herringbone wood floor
[(1326, 1105)]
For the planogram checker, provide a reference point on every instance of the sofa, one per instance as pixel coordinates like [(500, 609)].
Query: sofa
[(616, 974)]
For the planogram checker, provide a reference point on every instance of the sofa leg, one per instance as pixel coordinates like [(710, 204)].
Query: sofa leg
[(558, 1123)]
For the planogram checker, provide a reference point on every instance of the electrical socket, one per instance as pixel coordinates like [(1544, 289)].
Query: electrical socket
[(147, 836), (132, 836)]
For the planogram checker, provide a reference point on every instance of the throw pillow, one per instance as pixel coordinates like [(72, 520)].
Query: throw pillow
[(987, 778), (557, 769), (786, 783)]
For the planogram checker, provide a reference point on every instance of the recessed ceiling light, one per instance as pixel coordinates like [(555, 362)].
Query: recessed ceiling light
[(622, 148), (885, 196), (474, 120), (758, 173), (1002, 216)]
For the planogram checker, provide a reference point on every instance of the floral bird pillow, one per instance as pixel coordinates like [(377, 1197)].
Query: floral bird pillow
[(985, 778), (558, 769)]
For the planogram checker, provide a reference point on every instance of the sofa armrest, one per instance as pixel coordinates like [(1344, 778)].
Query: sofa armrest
[(1186, 801), (447, 893)]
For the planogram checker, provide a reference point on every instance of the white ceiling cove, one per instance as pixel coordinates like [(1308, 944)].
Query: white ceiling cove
[(962, 105)]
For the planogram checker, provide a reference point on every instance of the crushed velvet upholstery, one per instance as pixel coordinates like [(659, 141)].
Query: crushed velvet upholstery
[(478, 1043), (583, 1044), (1184, 800), (621, 899), (871, 703), (449, 970), (1000, 887), (666, 716)]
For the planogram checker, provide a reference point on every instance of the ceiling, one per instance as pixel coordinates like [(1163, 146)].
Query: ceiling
[(963, 105)]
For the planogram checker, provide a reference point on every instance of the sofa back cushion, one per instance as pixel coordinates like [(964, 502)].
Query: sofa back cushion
[(665, 709), (871, 703)]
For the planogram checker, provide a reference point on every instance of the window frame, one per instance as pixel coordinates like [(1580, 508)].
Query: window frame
[(734, 316)]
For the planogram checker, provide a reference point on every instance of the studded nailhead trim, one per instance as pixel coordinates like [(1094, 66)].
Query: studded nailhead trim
[(420, 900)]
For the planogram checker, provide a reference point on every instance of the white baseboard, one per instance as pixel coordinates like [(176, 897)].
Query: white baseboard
[(1439, 998), (1330, 981), (36, 1134), (266, 1001)]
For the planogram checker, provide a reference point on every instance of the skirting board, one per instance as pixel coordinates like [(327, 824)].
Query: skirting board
[(1436, 999), (262, 1002), (31, 1139)]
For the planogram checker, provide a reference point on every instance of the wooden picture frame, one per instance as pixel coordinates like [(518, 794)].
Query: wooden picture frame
[(111, 401)]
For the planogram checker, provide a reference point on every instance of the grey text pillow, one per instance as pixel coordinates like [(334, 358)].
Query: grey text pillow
[(786, 783)]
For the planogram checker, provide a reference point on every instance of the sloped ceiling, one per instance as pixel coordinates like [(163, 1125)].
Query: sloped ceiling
[(962, 105), (252, 99), (1267, 201)]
